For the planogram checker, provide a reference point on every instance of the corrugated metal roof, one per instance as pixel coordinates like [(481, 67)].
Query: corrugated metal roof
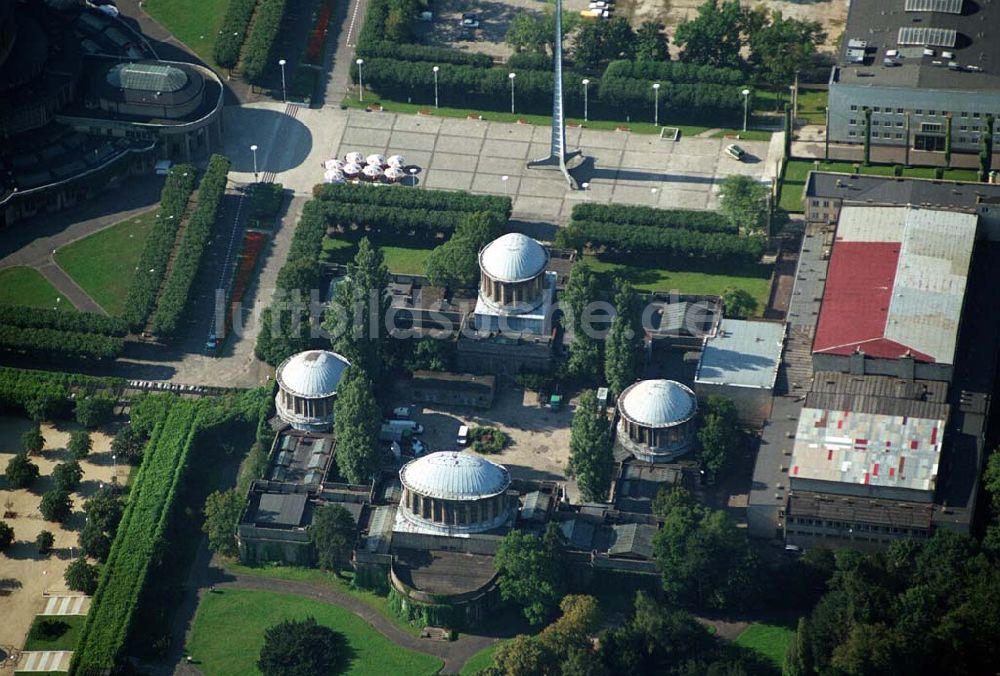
[(632, 539), (867, 449), (742, 354), (281, 508)]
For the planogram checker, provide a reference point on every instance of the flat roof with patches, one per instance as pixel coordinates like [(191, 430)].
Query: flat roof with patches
[(743, 353)]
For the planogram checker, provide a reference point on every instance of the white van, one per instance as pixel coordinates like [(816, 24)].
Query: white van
[(463, 435)]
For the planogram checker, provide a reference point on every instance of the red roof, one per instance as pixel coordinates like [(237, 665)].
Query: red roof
[(856, 301)]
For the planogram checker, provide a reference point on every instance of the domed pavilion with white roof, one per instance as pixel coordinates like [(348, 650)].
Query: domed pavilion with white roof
[(307, 389), (515, 288), (657, 420)]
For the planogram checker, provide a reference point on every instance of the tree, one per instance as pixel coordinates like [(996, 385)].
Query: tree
[(719, 433), (671, 497), (623, 349), (301, 648), (80, 444), (21, 472), (867, 131), (94, 542), (94, 411), (587, 50), (127, 445), (520, 656), (743, 200), (222, 514), (32, 441), (581, 616), (44, 541), (527, 33), (430, 354), (82, 576), (530, 575), (780, 47), (104, 508), (618, 39), (581, 290), (738, 303), (55, 505), (590, 457), (713, 37), (651, 42), (300, 274), (455, 263), (67, 476), (356, 425), (6, 535), (332, 534)]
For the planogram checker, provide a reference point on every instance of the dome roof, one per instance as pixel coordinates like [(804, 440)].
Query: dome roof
[(657, 403), (513, 258), (451, 475), (312, 374)]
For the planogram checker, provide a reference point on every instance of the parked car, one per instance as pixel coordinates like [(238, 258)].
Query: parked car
[(418, 448), (413, 427), (470, 20), (463, 435), (735, 152), (401, 412)]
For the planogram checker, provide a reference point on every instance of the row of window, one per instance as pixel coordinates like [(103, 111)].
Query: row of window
[(856, 527), (917, 111), (924, 126), (856, 538), (901, 135), (826, 203)]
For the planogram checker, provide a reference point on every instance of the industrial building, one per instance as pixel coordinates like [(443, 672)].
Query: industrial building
[(923, 69)]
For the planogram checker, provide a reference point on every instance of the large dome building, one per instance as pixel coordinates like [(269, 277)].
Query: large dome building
[(453, 493), (657, 420), (512, 273), (307, 389)]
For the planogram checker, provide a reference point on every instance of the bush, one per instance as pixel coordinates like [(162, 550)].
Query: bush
[(683, 219), (159, 244), (529, 61), (257, 54), (127, 445), (60, 343), (487, 440), (301, 648), (44, 542), (177, 287), (48, 630), (94, 412), (6, 535), (32, 441), (56, 505), (430, 200), (21, 472), (44, 395), (430, 56), (670, 242), (67, 476), (265, 203), (675, 71), (80, 444), (82, 576), (60, 320), (233, 32)]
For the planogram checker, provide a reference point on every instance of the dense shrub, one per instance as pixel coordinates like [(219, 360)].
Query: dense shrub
[(265, 203), (684, 219), (529, 61), (433, 200), (6, 535), (431, 56), (487, 440), (44, 395), (60, 343), (21, 472), (159, 243), (257, 54), (233, 32), (60, 320), (675, 71), (668, 241), (177, 287), (678, 101), (94, 411)]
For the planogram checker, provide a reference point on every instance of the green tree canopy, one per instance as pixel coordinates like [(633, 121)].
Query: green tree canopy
[(744, 201), (56, 505), (651, 42), (430, 354), (356, 424), (82, 576), (105, 509), (455, 263), (67, 476), (94, 542), (332, 535), (6, 535), (780, 46), (719, 434), (530, 572), (222, 516), (738, 303), (603, 41), (44, 541), (32, 441), (127, 445), (21, 472), (94, 411), (301, 648), (80, 444), (623, 350), (584, 360), (713, 38), (590, 457)]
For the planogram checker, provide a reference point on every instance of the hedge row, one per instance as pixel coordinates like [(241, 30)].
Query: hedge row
[(675, 71), (60, 343), (679, 101), (28, 391), (430, 56), (308, 238), (137, 544), (665, 241), (257, 54), (684, 219), (177, 287), (431, 200), (233, 32), (393, 218), (159, 243), (60, 320)]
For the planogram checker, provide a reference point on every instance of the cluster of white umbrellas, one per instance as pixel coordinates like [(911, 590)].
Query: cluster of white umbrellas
[(374, 167)]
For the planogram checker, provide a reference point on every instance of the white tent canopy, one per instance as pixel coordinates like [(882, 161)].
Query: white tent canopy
[(355, 158), (333, 164), (376, 159), (333, 176), (373, 171), (352, 169), (394, 173), (396, 161)]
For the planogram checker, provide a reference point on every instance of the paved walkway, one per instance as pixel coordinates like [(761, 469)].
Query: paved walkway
[(68, 287), (66, 605), (45, 660)]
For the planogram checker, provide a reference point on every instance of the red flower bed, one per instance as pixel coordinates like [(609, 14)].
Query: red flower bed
[(317, 37), (253, 244)]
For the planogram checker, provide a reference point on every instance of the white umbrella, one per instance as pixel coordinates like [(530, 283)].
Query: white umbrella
[(333, 176), (376, 159), (355, 158), (334, 164), (372, 171), (352, 169), (394, 173), (396, 161)]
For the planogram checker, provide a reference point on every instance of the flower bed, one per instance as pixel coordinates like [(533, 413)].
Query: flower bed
[(317, 36), (253, 244), (487, 440)]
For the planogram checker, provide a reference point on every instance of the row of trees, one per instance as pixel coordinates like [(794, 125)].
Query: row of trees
[(45, 395), (59, 320), (430, 200), (177, 287), (622, 238), (260, 42), (60, 343), (684, 219), (232, 33), (455, 263)]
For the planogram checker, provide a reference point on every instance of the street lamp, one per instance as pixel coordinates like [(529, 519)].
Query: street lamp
[(114, 463), (413, 177), (361, 83), (253, 149), (512, 76), (746, 104), (656, 104), (586, 86), (435, 69), (505, 179), (284, 95)]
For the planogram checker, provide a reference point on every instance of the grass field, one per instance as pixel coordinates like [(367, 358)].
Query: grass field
[(103, 263), (797, 170), (403, 256), (71, 625), (229, 629), (193, 22), (769, 640), (479, 661), (687, 279), (26, 286), (812, 104)]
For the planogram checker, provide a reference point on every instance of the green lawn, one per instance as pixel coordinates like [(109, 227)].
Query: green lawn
[(65, 636), (405, 256), (26, 286), (812, 103), (687, 278), (797, 170), (103, 263), (769, 640), (193, 22), (229, 629), (479, 661)]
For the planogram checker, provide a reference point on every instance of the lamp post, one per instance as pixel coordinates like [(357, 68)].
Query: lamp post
[(253, 149), (656, 104), (114, 464), (505, 178), (361, 83), (586, 86), (512, 76), (284, 93), (413, 177), (746, 106), (436, 69)]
